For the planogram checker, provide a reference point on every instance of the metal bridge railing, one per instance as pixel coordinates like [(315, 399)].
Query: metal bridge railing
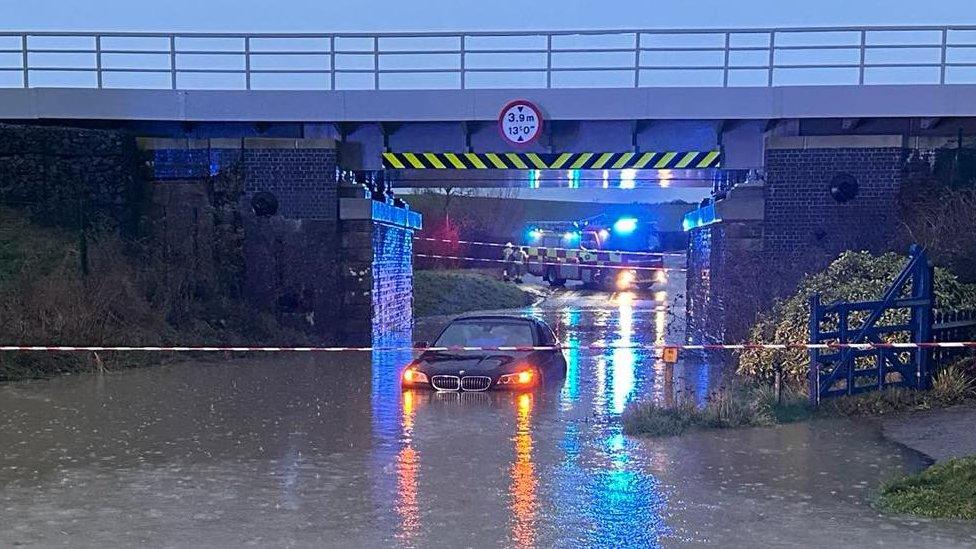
[(470, 60)]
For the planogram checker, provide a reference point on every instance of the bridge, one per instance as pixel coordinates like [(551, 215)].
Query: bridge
[(685, 89), (821, 119)]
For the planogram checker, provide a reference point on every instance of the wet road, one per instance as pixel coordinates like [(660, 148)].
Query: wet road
[(313, 451)]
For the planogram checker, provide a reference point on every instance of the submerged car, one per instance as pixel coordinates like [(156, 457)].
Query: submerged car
[(519, 364)]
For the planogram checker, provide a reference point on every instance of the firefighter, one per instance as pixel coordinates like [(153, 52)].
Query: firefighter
[(508, 257), (521, 256)]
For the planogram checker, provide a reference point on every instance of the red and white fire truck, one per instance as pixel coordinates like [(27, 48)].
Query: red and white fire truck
[(618, 255)]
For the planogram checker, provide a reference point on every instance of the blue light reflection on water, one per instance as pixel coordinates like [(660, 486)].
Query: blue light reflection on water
[(619, 500), (569, 324), (573, 478), (393, 412)]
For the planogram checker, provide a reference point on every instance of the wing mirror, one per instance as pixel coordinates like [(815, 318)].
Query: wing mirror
[(421, 345)]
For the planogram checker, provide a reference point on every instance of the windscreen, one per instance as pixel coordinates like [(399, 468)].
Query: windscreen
[(486, 333)]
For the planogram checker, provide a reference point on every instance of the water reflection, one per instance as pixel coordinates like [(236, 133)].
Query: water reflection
[(407, 469), (524, 482), (569, 327), (623, 358), (569, 474)]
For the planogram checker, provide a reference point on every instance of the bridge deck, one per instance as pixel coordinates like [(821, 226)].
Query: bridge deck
[(697, 103)]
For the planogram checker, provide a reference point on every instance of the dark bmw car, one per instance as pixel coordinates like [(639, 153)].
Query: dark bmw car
[(444, 366)]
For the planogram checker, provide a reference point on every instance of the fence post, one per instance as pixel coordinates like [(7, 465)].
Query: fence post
[(98, 61), (922, 287), (172, 60), (26, 58), (813, 377), (548, 61)]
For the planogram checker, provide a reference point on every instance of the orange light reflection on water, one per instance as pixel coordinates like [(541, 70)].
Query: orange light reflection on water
[(524, 482), (407, 468)]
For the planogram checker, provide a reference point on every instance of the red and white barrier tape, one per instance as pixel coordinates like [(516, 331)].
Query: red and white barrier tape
[(596, 346), (566, 264), (497, 245)]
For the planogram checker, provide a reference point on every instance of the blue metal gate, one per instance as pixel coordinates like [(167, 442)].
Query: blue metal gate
[(902, 315)]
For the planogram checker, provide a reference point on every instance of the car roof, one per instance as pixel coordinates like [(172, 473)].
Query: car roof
[(522, 317), (516, 317)]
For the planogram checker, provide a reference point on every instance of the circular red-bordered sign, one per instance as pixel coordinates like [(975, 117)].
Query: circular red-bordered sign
[(520, 122)]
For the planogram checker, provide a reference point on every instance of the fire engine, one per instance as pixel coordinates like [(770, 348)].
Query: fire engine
[(597, 252)]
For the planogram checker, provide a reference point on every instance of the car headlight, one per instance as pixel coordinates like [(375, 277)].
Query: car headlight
[(626, 279), (522, 378), (412, 375)]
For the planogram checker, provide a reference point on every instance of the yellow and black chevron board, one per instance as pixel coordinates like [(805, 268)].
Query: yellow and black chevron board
[(555, 161)]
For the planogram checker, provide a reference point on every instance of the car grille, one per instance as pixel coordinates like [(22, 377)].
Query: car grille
[(475, 383), (446, 383)]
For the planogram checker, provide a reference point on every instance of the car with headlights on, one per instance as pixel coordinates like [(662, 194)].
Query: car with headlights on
[(482, 352)]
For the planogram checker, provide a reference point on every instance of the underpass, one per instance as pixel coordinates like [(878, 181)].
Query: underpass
[(297, 187)]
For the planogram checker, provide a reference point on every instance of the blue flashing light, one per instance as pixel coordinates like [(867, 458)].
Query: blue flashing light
[(535, 234), (625, 225), (571, 236), (705, 215)]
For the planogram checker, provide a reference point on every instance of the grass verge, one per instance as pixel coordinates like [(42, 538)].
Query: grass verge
[(739, 405), (945, 490), (453, 292), (749, 404)]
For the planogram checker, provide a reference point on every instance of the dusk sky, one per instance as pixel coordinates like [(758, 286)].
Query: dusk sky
[(399, 15)]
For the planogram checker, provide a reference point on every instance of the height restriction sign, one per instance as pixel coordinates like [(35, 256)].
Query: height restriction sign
[(520, 122)]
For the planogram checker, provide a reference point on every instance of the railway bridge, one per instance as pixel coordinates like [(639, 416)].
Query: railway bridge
[(801, 133)]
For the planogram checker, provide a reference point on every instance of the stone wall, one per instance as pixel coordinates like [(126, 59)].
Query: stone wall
[(290, 260), (332, 279), (291, 267), (67, 176)]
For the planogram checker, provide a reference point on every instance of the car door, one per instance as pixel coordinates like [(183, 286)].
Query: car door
[(554, 365)]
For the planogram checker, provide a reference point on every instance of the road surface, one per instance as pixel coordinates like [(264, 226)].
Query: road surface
[(326, 451)]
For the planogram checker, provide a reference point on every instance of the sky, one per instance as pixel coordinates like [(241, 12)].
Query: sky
[(419, 15)]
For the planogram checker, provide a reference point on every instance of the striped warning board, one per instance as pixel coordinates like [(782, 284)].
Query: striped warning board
[(555, 161), (603, 258), (598, 257)]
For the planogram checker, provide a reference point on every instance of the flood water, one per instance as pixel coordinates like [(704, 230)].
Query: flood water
[(326, 451)]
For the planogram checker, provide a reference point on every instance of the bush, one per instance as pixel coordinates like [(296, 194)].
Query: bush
[(854, 276), (945, 490), (130, 296), (936, 201), (44, 299)]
